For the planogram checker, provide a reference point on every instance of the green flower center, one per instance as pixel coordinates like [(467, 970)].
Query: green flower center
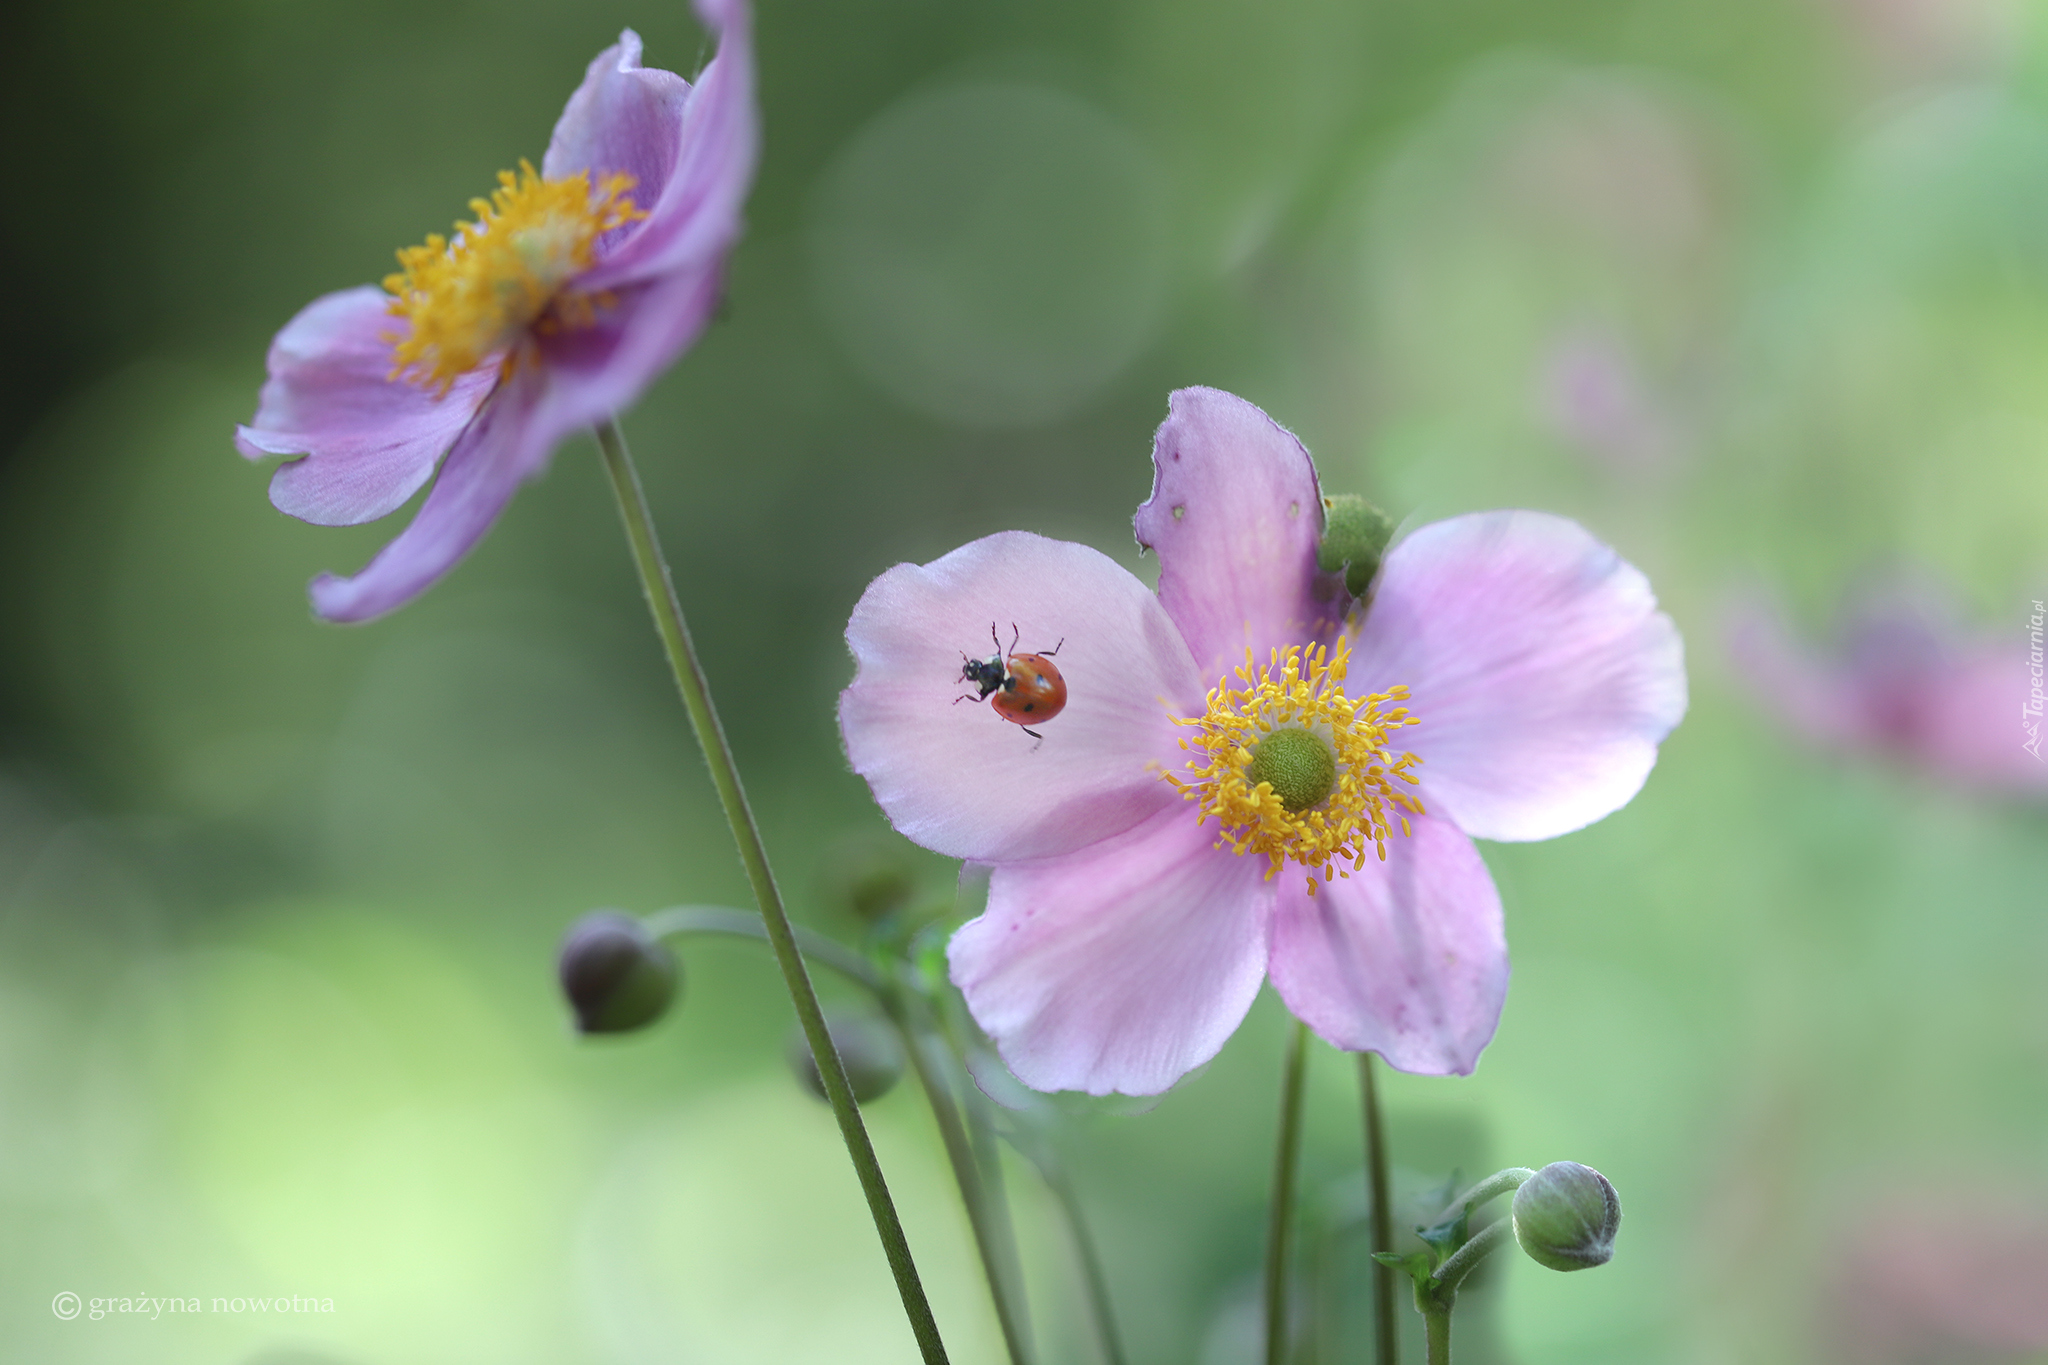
[(1299, 763)]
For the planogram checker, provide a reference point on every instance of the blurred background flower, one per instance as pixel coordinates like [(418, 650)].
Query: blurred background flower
[(1903, 679), (279, 903)]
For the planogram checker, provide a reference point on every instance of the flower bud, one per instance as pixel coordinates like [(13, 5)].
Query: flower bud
[(1566, 1216), (874, 879), (616, 975), (868, 1048), (1355, 536)]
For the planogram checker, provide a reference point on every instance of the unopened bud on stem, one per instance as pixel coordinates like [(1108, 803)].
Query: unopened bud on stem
[(1566, 1216), (616, 975)]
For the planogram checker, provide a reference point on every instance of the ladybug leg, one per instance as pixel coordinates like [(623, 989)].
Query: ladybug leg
[(1015, 635), (995, 640), (1048, 653)]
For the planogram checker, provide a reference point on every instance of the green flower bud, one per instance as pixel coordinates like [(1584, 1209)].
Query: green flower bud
[(1566, 1216), (616, 975), (868, 1048), (1355, 536)]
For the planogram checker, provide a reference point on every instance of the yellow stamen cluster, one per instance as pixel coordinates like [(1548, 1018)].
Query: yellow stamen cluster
[(1300, 689), (471, 297)]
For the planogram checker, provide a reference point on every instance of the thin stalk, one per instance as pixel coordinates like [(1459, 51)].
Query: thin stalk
[(1466, 1258), (1286, 1157), (717, 919), (1093, 1276), (669, 624), (1386, 1327), (988, 1159), (1045, 1159), (967, 1174)]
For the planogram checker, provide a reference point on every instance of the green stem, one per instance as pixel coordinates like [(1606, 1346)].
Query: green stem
[(689, 674), (1466, 1258), (1436, 1325), (1501, 1182), (1092, 1273), (1386, 1326), (1045, 1160), (988, 1159), (919, 1043), (717, 919), (1280, 1227)]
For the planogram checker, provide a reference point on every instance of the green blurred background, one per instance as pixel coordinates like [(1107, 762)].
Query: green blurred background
[(1757, 290)]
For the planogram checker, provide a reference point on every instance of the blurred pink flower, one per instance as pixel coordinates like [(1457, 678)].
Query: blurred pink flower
[(1904, 679), (574, 288), (1125, 934), (1931, 1279)]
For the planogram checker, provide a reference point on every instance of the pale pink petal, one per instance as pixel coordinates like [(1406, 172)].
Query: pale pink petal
[(369, 441), (1542, 673), (1406, 958), (1235, 516), (1121, 967), (956, 777), (493, 457), (710, 152)]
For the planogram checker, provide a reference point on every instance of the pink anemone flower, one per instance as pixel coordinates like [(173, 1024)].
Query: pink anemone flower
[(1906, 679), (573, 288), (1250, 777)]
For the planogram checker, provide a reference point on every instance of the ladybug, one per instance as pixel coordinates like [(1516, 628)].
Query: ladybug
[(1027, 688)]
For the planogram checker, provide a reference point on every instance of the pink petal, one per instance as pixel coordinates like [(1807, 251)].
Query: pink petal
[(1120, 967), (1236, 515), (957, 777), (369, 441), (591, 374), (1974, 723), (1542, 673), (624, 117), (1406, 958), (694, 158), (493, 457)]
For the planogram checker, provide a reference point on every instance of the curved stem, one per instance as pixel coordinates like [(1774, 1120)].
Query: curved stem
[(1281, 1224), (1501, 1182), (1386, 1327), (718, 919), (689, 674), (1466, 1258), (919, 1044)]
